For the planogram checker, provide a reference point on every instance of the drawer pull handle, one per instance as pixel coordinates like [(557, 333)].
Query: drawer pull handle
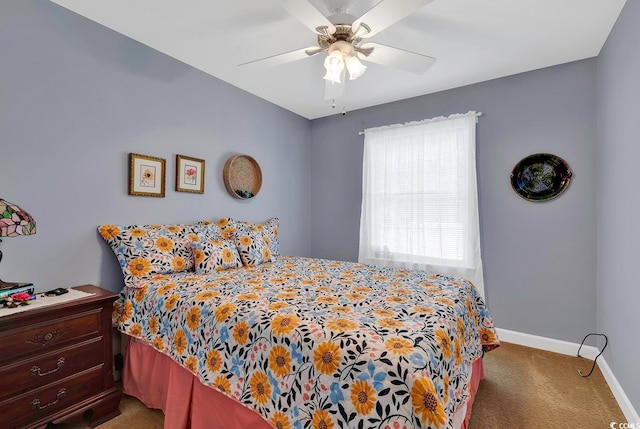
[(35, 404), (35, 370)]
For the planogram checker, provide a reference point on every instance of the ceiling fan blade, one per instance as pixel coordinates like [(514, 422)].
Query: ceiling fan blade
[(287, 57), (395, 57), (307, 14), (386, 13)]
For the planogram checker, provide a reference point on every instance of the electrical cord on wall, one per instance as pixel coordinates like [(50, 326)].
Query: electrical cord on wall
[(606, 341)]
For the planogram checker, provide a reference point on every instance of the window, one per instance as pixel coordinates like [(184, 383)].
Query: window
[(420, 204)]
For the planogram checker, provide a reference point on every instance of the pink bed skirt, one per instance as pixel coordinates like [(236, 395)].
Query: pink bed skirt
[(160, 383)]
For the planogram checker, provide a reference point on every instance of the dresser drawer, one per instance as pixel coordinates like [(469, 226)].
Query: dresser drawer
[(49, 367), (38, 337), (31, 406)]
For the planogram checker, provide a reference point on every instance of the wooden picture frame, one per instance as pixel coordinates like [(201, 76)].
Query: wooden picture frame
[(189, 174), (146, 175)]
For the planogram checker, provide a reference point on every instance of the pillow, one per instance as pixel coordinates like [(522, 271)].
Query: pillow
[(252, 246), (208, 230), (145, 250), (229, 228), (212, 252)]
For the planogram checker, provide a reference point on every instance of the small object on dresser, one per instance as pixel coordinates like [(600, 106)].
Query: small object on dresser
[(56, 292), (17, 287), (12, 286), (17, 296)]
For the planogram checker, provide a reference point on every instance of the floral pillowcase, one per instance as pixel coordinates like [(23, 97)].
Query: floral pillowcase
[(145, 250), (229, 228), (212, 252), (253, 246)]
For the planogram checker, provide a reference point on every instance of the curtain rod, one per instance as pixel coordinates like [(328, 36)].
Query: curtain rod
[(450, 116)]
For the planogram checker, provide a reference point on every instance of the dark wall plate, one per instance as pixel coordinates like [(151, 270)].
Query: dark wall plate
[(540, 177)]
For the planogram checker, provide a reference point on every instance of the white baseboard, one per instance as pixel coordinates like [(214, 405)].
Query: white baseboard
[(571, 349), (624, 402), (548, 344)]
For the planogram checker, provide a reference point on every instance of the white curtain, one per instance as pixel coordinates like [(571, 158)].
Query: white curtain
[(420, 198)]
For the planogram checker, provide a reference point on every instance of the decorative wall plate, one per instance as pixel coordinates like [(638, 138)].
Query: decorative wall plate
[(540, 177), (242, 176)]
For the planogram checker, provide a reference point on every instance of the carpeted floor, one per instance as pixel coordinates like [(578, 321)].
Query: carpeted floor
[(530, 388), (523, 388), (133, 415)]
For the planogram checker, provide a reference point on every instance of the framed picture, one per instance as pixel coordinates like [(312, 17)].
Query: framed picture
[(146, 175), (189, 174)]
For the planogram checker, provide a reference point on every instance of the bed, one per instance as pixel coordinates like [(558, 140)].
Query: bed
[(291, 342)]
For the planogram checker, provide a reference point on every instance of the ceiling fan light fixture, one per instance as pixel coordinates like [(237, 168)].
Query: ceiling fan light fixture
[(342, 53), (355, 67), (334, 64)]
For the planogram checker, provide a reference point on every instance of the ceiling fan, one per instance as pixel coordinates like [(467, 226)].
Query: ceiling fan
[(341, 35)]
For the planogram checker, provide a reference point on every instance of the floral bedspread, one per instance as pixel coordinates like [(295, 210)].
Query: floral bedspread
[(319, 343)]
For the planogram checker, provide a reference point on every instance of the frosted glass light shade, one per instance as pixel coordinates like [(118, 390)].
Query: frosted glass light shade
[(355, 67), (334, 64)]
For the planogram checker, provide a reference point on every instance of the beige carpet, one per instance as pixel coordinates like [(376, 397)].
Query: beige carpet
[(133, 415), (523, 388), (530, 388)]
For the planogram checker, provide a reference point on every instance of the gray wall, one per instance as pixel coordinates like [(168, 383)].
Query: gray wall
[(618, 202), (539, 258), (76, 98)]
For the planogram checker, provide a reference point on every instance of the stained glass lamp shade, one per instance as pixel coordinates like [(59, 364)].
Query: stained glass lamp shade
[(14, 222)]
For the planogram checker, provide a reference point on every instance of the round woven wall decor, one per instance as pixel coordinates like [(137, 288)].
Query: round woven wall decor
[(242, 176)]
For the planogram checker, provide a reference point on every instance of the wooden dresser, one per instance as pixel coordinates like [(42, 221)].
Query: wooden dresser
[(56, 363)]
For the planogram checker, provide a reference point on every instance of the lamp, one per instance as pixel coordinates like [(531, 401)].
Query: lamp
[(14, 222), (341, 53)]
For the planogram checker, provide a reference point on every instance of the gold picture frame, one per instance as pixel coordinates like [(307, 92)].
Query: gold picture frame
[(189, 174), (146, 175)]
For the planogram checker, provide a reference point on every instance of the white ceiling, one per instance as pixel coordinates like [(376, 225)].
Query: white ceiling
[(473, 41)]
